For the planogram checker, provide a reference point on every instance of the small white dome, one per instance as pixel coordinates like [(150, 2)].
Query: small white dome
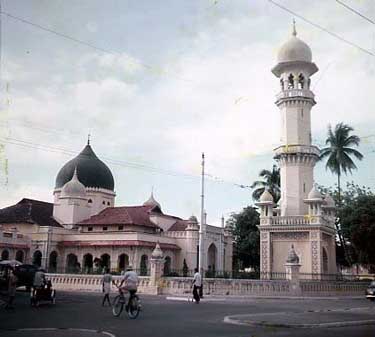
[(294, 50), (329, 201), (266, 196), (151, 201), (193, 218), (314, 194), (74, 188), (157, 253)]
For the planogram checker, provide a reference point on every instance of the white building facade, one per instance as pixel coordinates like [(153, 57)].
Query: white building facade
[(303, 217), (83, 230)]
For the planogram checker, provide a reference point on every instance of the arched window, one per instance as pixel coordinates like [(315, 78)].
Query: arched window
[(20, 255), (123, 262), (37, 258), (90, 201), (105, 261), (211, 259), (5, 255), (282, 84), (52, 265), (291, 81), (144, 265), (301, 81), (88, 263), (72, 265), (167, 266)]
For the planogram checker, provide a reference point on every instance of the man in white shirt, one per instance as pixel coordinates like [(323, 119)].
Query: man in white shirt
[(197, 284), (39, 279), (131, 281)]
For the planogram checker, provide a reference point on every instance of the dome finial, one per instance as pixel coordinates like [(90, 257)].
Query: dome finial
[(88, 138), (294, 28)]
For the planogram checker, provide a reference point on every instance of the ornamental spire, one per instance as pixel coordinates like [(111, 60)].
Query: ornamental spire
[(294, 28)]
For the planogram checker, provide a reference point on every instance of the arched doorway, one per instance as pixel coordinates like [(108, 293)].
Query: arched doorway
[(5, 254), (72, 265), (167, 266), (325, 261), (105, 261), (88, 263), (123, 262), (211, 259), (37, 258), (20, 255), (52, 265), (144, 265)]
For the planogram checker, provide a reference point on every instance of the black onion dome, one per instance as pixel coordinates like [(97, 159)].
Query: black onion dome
[(91, 171)]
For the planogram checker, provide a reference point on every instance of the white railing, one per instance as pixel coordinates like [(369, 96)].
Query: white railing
[(296, 148), (295, 220), (295, 93)]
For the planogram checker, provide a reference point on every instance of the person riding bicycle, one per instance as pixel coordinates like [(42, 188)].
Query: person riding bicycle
[(39, 279), (131, 281)]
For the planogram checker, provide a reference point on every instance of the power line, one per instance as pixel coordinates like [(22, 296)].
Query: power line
[(90, 45), (321, 28), (355, 11)]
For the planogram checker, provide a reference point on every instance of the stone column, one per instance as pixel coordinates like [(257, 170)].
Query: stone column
[(157, 263), (292, 268)]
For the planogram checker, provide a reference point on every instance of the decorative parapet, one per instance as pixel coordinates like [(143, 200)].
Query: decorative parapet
[(13, 239), (291, 93), (296, 220), (296, 148)]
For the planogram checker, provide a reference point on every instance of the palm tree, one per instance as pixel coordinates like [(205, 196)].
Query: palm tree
[(339, 152), (271, 179)]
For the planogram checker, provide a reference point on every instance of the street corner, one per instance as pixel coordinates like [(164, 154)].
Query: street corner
[(311, 318), (55, 332)]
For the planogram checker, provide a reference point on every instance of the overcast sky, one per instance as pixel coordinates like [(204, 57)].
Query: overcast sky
[(179, 78)]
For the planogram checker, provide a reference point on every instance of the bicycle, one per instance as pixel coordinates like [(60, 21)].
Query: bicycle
[(132, 308)]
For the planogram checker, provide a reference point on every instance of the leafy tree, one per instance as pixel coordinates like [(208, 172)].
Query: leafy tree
[(246, 236), (271, 179), (357, 216), (339, 154), (356, 207)]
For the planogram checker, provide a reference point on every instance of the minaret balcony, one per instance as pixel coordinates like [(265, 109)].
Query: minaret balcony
[(295, 93), (295, 149)]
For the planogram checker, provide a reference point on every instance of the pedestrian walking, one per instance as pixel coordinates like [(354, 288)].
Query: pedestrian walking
[(106, 286), (197, 284), (12, 287)]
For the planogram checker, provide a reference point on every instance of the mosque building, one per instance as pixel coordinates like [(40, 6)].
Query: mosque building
[(303, 217), (84, 231)]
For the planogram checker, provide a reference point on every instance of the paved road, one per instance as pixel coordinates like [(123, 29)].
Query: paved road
[(81, 315)]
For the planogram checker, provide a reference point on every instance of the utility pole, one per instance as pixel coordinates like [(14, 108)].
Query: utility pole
[(202, 230)]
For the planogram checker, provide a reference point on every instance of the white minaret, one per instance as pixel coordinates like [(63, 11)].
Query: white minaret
[(296, 156)]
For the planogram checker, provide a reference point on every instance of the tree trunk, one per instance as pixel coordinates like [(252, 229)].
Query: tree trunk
[(338, 228)]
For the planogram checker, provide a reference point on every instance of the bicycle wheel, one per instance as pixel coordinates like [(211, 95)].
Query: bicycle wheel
[(118, 305), (134, 307)]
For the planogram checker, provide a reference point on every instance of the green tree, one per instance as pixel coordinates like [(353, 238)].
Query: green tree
[(356, 207), (339, 154), (246, 238), (357, 215), (271, 179)]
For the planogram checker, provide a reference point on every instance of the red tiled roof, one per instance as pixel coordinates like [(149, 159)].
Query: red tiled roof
[(29, 211), (126, 215), (179, 225), (118, 243)]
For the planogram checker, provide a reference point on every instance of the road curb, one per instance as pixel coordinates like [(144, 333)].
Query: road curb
[(232, 320)]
